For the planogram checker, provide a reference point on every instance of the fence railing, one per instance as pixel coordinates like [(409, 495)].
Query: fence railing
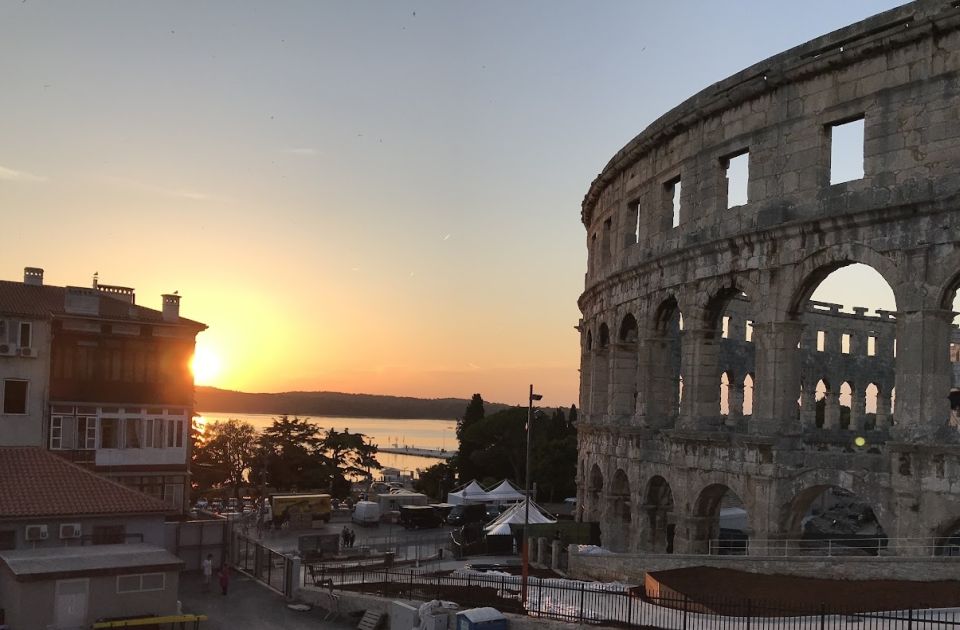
[(615, 604), (837, 546), (270, 567)]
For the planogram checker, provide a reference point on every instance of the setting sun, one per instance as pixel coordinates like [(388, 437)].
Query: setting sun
[(205, 366)]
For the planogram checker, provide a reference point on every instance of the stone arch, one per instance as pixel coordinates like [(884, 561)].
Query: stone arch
[(798, 512), (658, 506), (628, 329), (749, 386), (715, 504), (616, 522), (603, 336), (661, 360), (948, 537), (814, 269), (600, 374), (625, 364), (847, 397)]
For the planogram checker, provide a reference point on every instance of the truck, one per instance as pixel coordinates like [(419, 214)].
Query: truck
[(417, 516), (300, 510), (366, 513)]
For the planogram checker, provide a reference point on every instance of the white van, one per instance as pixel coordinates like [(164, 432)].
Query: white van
[(366, 513)]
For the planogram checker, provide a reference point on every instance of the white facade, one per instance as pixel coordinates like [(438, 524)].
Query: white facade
[(24, 379)]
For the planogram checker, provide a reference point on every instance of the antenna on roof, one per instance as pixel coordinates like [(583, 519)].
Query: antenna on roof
[(96, 279)]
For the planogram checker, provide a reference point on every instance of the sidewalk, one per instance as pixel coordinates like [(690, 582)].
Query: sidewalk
[(248, 605)]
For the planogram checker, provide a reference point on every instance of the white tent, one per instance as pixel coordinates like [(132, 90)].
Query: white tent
[(473, 492), (505, 492), (500, 526)]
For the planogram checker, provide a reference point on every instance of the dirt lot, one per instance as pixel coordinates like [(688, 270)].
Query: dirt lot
[(723, 589)]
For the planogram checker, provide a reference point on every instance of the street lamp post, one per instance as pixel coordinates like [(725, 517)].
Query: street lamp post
[(526, 492)]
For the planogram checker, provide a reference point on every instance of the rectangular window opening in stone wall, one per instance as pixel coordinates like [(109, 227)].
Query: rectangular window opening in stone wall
[(633, 220), (821, 340), (845, 343), (748, 331), (671, 195), (846, 150), (607, 229), (726, 327), (871, 346), (737, 174)]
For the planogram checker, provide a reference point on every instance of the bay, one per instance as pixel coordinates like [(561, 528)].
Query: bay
[(384, 432)]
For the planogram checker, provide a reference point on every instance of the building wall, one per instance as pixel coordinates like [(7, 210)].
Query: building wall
[(26, 429), (151, 528), (33, 604)]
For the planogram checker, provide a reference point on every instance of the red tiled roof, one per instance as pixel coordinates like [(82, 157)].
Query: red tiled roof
[(35, 482), (46, 301)]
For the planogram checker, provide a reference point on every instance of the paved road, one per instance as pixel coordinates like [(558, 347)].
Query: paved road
[(248, 605)]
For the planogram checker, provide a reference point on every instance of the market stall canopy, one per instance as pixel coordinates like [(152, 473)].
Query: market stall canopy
[(473, 492), (500, 526), (505, 492)]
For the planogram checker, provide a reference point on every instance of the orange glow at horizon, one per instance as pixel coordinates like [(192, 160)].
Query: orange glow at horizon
[(205, 365)]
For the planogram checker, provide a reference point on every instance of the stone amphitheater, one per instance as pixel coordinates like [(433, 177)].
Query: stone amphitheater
[(706, 370)]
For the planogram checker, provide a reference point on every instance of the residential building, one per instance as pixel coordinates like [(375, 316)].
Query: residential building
[(100, 380)]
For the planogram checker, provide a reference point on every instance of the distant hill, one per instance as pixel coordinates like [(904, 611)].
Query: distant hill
[(213, 400)]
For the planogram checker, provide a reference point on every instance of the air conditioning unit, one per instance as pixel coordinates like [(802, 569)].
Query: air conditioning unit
[(69, 530), (7, 350), (36, 532), (28, 352)]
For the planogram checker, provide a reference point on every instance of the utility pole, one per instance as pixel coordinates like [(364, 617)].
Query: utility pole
[(526, 492)]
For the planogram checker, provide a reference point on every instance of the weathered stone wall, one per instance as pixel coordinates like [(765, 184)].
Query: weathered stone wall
[(655, 459)]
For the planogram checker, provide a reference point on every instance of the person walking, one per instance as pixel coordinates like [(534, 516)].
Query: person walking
[(224, 577), (345, 535), (207, 567)]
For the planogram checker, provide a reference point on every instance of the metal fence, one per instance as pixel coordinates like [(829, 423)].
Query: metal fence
[(829, 546), (614, 604), (272, 568)]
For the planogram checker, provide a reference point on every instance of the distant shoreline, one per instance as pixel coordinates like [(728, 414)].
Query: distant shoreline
[(317, 415)]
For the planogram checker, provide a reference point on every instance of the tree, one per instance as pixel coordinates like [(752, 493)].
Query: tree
[(289, 455), (436, 481), (473, 414), (350, 454), (225, 452)]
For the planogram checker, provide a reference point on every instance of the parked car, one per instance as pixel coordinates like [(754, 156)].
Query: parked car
[(419, 516), (467, 513)]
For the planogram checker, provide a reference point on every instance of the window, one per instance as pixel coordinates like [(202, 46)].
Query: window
[(672, 195), (845, 343), (821, 340), (108, 432), (153, 432), (726, 327), (140, 582), (108, 534), (132, 430), (633, 219), (14, 396), (846, 151), (56, 432), (738, 175), (26, 336), (748, 331), (86, 432), (8, 539), (871, 346)]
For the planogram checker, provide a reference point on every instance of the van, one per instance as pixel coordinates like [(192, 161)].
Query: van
[(366, 513), (467, 513)]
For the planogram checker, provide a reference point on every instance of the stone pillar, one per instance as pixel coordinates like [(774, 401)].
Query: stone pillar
[(923, 373), (858, 410), (777, 380), (808, 408), (556, 547), (599, 379), (883, 411), (543, 551), (735, 402), (700, 367), (585, 375), (658, 387), (623, 385), (831, 411)]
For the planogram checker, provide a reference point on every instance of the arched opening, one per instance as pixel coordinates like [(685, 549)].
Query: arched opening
[(617, 521), (846, 419), (725, 379), (624, 356), (948, 539), (663, 392), (849, 314), (721, 526), (600, 377), (586, 372), (594, 494), (729, 314), (820, 397), (748, 395), (827, 519), (871, 408), (658, 505)]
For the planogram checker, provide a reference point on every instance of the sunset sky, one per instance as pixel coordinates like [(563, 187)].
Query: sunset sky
[(377, 197)]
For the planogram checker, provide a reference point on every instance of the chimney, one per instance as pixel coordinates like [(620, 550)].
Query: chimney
[(33, 276), (80, 301), (171, 307)]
